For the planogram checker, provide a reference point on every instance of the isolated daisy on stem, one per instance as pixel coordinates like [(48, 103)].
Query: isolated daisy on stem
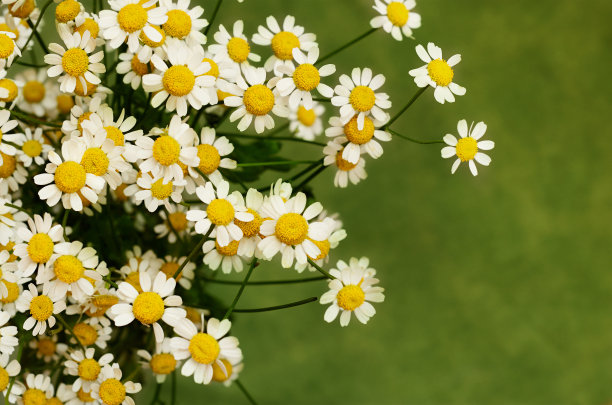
[(467, 148), (396, 17)]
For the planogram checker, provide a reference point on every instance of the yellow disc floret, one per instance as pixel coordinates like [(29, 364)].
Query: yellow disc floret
[(178, 24), (214, 67), (166, 150), (238, 49), (89, 369), (220, 212), (54, 401), (306, 117), (24, 11), (362, 98), (32, 148), (291, 229), (138, 67), (89, 88), (34, 91), (178, 220), (230, 250), (204, 348), (283, 44), (397, 13), (178, 80), (342, 164), (354, 135), (4, 379), (95, 161), (9, 85), (160, 190), (68, 269), (132, 18), (65, 102), (84, 396), (41, 308), (34, 396), (323, 246), (306, 77), (163, 363), (13, 292), (466, 148), (218, 374), (70, 177), (250, 228), (112, 392), (440, 72), (9, 164), (46, 347), (134, 280), (75, 62), (209, 158), (86, 334), (153, 44), (40, 248), (350, 297), (67, 10), (148, 307), (258, 100), (89, 25), (115, 134), (169, 268)]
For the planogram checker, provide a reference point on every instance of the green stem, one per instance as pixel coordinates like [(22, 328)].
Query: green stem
[(276, 163), (270, 282), (245, 392), (412, 139), (276, 307), (18, 208), (63, 322), (35, 27), (156, 394), (407, 106), (193, 253), (239, 293), (132, 374), (64, 222), (10, 387), (26, 117), (38, 38), (278, 130), (29, 64), (321, 270), (347, 45), (268, 138), (322, 99), (309, 178), (213, 16), (173, 400)]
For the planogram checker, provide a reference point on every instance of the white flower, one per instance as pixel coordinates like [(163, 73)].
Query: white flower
[(11, 369), (396, 17), (352, 291), (85, 367), (250, 230), (358, 141), (41, 308), (355, 172), (162, 362), (119, 131), (174, 220), (169, 266), (7, 125), (34, 149), (234, 47), (39, 95), (8, 339), (47, 348), (39, 244), (79, 114), (109, 389), (8, 48), (38, 386), (356, 96), (437, 73), (467, 148), (132, 69), (155, 192), (211, 155), (307, 123), (183, 23), (91, 332), (227, 256)]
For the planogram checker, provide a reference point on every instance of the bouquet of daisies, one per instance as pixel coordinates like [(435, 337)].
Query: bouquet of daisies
[(132, 163)]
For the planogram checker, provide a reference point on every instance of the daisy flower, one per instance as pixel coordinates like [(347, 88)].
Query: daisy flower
[(63, 395), (204, 348), (8, 49), (149, 306), (396, 17), (169, 267), (85, 367), (9, 90), (16, 26), (80, 113), (148, 46), (8, 339), (437, 73), (288, 230), (41, 308), (347, 171), (467, 148), (223, 70), (7, 273), (212, 152), (8, 370), (47, 348), (14, 290), (39, 244), (283, 41), (39, 95), (182, 81), (221, 210), (233, 47), (34, 148), (87, 22), (120, 130), (132, 69), (67, 179), (184, 23), (90, 333), (337, 234), (103, 158), (358, 141), (75, 62), (161, 363), (20, 8), (163, 156), (228, 373), (254, 101), (352, 291), (7, 125), (12, 174), (303, 79), (127, 19), (356, 96), (174, 220), (38, 390), (155, 192), (10, 219), (307, 123), (67, 10), (227, 256), (110, 390)]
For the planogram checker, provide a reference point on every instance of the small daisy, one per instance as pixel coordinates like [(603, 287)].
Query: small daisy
[(183, 23), (181, 82), (65, 180), (41, 308), (14, 290), (103, 158), (222, 208), (352, 291), (227, 257), (110, 390), (8, 48), (20, 8), (12, 174), (174, 220), (234, 47), (39, 244), (8, 339), (16, 26), (148, 47), (9, 90), (85, 367), (288, 230), (127, 19), (228, 373), (75, 62), (8, 370), (223, 70), (169, 267), (39, 95), (337, 235), (8, 274), (87, 22), (156, 192), (356, 96), (203, 349), (161, 363), (254, 101), (396, 17), (347, 171), (63, 395), (251, 230), (119, 130), (7, 125), (212, 152), (47, 348), (467, 148), (38, 390), (34, 148), (67, 10), (358, 141), (80, 113), (283, 41), (303, 79), (307, 123), (437, 73), (132, 69), (148, 307), (90, 333)]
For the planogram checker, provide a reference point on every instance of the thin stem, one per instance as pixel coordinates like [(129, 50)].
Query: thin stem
[(63, 322), (25, 117), (29, 64), (38, 38), (321, 270), (213, 16), (407, 106), (156, 394), (239, 293), (174, 231), (245, 392), (268, 138), (173, 400), (412, 139), (277, 307), (132, 374), (109, 281), (10, 387), (18, 208), (193, 253), (303, 172), (322, 99), (278, 130), (65, 221), (276, 163), (40, 18), (309, 178), (347, 45), (270, 282)]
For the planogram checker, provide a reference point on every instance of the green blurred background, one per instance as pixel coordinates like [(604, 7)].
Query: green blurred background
[(498, 287)]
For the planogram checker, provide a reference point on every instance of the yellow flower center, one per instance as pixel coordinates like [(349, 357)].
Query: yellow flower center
[(283, 44), (84, 396), (306, 117), (148, 307), (306, 77), (250, 228), (46, 347), (220, 211), (230, 250), (350, 297), (166, 150), (9, 85), (86, 334), (178, 80), (160, 190), (32, 148), (258, 100), (67, 10), (291, 229), (89, 369), (41, 308), (89, 25), (70, 177), (112, 392), (95, 161), (134, 280), (178, 24), (115, 134), (68, 269), (4, 379), (178, 221), (218, 374), (238, 49), (342, 164), (103, 302), (34, 91), (169, 268), (89, 88), (6, 28), (9, 164), (40, 248), (362, 98), (214, 68), (163, 363), (323, 247), (354, 135), (132, 18), (34, 396), (65, 102), (466, 148), (204, 348), (6, 46), (440, 72), (75, 62), (397, 13), (23, 11), (209, 158), (13, 293), (147, 41), (83, 117), (120, 192), (54, 401), (9, 246), (138, 67)]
